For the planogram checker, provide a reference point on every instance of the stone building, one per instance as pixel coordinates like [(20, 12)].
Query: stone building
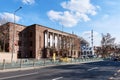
[(37, 41), (8, 31)]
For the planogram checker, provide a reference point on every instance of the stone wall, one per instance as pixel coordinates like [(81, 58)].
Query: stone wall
[(7, 57)]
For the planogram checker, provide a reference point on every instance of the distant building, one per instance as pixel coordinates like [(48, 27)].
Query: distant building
[(86, 50), (37, 41)]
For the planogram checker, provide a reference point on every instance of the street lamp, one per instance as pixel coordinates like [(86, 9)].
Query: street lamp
[(14, 33)]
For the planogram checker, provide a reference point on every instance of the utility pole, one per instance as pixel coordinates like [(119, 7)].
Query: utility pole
[(14, 34)]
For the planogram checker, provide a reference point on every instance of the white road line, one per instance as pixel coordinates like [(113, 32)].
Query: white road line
[(118, 71), (112, 78), (57, 78), (18, 76), (92, 68), (115, 74)]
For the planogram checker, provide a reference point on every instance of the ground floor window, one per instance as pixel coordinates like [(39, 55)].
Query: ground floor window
[(31, 54), (19, 54)]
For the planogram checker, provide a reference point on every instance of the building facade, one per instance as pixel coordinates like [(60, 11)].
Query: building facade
[(86, 50), (11, 37), (37, 41)]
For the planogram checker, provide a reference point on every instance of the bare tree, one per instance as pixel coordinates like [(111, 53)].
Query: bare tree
[(106, 44), (3, 35)]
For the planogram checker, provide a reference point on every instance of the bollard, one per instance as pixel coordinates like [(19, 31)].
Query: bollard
[(75, 60), (71, 59), (82, 60), (79, 59), (44, 62), (20, 63), (3, 64), (33, 63)]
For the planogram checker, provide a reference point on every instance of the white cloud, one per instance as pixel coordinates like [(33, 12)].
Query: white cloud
[(76, 10), (82, 6), (64, 18), (29, 2), (106, 16), (9, 17)]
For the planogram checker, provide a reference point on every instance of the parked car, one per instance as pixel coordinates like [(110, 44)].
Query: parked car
[(116, 58)]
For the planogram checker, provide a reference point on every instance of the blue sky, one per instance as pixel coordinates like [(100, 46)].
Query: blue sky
[(78, 16)]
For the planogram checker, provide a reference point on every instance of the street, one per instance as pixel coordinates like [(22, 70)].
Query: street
[(101, 70)]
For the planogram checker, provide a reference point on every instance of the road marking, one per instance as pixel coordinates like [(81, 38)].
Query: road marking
[(112, 78), (18, 76), (115, 74), (118, 71), (92, 68), (57, 78)]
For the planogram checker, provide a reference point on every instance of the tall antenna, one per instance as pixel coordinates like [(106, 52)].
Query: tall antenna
[(92, 42), (92, 38)]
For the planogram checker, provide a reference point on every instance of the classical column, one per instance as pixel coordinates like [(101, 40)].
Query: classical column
[(70, 46), (48, 40), (53, 40), (58, 41)]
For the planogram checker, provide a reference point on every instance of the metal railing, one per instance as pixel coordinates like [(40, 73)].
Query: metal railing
[(27, 63)]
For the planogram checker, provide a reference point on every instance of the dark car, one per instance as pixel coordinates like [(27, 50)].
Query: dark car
[(117, 58)]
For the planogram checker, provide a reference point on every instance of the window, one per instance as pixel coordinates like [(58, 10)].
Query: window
[(19, 43), (31, 43), (31, 54), (39, 41), (20, 34), (30, 34), (19, 54)]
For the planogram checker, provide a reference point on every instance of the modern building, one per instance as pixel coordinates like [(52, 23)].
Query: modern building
[(37, 41), (86, 50)]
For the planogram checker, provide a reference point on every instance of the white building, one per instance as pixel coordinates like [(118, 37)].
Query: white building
[(86, 50)]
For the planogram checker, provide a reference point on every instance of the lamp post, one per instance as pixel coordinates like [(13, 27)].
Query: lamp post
[(14, 33)]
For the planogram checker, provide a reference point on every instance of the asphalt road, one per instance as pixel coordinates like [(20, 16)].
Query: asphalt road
[(102, 70)]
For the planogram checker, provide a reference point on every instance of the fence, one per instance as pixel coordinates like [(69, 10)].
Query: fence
[(26, 63)]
